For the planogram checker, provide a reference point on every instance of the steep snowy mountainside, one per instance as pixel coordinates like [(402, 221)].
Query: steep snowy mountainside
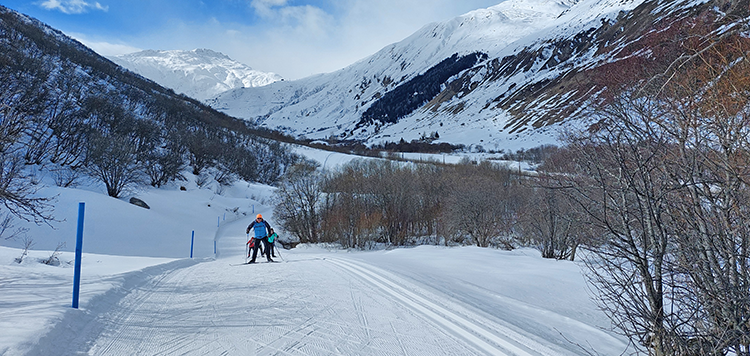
[(539, 65), (200, 73), (64, 107), (332, 104)]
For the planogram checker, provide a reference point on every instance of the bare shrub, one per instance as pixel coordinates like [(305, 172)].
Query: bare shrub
[(28, 243), (66, 177), (202, 179), (53, 259)]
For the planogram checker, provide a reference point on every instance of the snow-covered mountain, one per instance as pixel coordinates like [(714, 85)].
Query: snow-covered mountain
[(200, 73), (333, 104), (510, 76)]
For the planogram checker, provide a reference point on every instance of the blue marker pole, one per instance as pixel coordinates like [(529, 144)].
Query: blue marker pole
[(218, 221), (192, 242), (214, 247), (79, 247)]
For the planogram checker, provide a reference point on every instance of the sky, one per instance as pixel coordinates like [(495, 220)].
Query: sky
[(293, 38)]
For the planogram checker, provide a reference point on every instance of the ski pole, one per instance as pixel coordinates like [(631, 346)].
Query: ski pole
[(279, 252)]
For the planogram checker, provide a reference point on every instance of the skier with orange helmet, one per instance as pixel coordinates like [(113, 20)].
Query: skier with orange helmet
[(261, 230)]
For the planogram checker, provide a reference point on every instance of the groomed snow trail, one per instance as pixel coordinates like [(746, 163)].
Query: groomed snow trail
[(310, 304), (306, 306), (480, 332)]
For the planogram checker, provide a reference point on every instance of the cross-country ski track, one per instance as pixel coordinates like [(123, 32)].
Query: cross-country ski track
[(312, 303)]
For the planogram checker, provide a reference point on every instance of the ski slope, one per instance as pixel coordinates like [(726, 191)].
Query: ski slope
[(419, 301), (142, 295)]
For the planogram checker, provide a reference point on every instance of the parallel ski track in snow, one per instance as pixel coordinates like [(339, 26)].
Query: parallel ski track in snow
[(284, 309), (265, 309), (493, 340), (140, 327)]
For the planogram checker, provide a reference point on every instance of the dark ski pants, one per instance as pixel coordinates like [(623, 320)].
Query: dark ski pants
[(257, 246)]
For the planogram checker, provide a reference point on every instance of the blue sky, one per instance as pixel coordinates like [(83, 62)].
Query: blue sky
[(294, 38)]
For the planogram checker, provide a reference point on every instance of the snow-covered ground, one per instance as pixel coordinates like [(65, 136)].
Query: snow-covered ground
[(141, 294), (331, 160)]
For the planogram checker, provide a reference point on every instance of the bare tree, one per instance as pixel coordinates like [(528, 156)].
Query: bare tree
[(18, 191), (349, 216), (550, 223), (8, 230), (17, 188), (619, 179), (164, 165), (482, 203), (711, 95), (113, 161), (298, 200), (664, 174), (393, 189)]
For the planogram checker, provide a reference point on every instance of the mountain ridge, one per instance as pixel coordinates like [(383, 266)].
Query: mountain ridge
[(330, 106), (199, 73), (543, 74)]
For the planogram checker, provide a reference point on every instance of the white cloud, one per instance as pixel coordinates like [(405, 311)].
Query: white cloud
[(72, 6), (304, 20), (105, 48), (296, 41), (265, 7)]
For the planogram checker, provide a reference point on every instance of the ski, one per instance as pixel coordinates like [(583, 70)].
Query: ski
[(252, 263), (242, 264)]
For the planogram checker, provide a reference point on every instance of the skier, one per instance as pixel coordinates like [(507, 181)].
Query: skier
[(271, 242), (251, 244), (260, 228)]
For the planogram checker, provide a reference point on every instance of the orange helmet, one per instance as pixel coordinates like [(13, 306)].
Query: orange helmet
[(259, 216)]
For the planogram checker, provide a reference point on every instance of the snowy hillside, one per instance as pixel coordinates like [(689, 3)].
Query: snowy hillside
[(332, 105), (200, 73)]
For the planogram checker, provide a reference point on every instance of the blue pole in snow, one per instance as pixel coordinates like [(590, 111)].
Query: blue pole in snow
[(214, 247), (79, 247), (192, 242)]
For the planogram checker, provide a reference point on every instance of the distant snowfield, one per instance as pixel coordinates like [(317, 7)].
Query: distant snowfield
[(142, 295)]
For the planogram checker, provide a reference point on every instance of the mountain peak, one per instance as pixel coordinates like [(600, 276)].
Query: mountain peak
[(199, 73), (209, 53)]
